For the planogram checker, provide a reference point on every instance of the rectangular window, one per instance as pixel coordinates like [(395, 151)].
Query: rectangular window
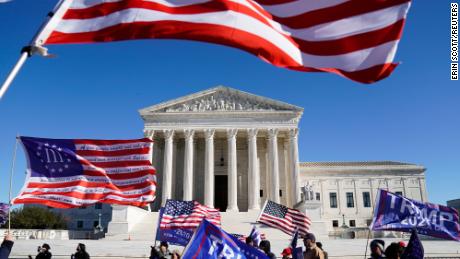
[(335, 223), (79, 224), (368, 222), (281, 193), (366, 199), (333, 199), (352, 223), (98, 206), (350, 200), (261, 193), (399, 193), (318, 196)]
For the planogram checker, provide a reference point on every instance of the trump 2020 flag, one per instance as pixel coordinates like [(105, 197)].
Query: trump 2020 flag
[(355, 39), (67, 173), (210, 241), (397, 213), (4, 209)]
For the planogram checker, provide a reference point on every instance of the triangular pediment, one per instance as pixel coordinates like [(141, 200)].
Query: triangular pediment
[(220, 99)]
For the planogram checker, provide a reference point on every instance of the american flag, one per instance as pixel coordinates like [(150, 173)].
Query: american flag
[(67, 173), (353, 38), (242, 238), (284, 218), (187, 214)]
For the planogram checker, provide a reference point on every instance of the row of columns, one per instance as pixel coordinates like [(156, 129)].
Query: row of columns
[(253, 167)]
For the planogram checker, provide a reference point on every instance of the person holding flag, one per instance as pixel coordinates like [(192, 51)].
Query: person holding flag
[(7, 245)]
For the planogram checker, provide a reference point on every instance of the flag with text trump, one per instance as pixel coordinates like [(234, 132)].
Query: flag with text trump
[(353, 38), (67, 173), (187, 215), (284, 218), (395, 212)]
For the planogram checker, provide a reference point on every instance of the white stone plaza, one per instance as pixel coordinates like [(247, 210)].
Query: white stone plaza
[(344, 248)]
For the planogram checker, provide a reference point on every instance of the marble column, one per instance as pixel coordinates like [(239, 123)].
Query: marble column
[(167, 166), (356, 201), (339, 197), (253, 171), (150, 134), (209, 168), (372, 193), (232, 171), (422, 187), (188, 165), (406, 191), (294, 151), (274, 165)]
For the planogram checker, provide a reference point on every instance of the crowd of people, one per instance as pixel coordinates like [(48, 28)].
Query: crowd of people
[(43, 251), (394, 251), (313, 250)]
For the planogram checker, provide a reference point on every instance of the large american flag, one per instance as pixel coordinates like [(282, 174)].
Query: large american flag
[(353, 38), (187, 214), (284, 218), (67, 173)]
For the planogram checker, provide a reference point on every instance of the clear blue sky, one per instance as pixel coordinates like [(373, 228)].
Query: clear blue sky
[(95, 90)]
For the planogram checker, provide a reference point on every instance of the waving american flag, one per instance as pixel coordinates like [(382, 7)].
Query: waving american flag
[(67, 173), (285, 219), (187, 214), (353, 38)]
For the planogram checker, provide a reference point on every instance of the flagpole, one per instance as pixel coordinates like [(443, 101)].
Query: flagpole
[(262, 211), (33, 47), (11, 182)]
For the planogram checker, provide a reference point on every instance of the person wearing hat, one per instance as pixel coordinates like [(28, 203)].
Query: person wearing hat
[(81, 252), (266, 247), (287, 252), (377, 248), (312, 251), (43, 252)]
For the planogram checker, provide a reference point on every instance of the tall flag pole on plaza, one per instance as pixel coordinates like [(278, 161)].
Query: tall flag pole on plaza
[(355, 40), (283, 218), (68, 173)]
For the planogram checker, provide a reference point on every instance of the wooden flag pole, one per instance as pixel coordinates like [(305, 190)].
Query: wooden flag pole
[(11, 182)]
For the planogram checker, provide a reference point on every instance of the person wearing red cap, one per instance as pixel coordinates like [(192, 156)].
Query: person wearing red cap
[(287, 252)]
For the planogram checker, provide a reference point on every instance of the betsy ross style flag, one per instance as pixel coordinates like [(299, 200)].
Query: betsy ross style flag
[(67, 173), (353, 38), (285, 219), (187, 214)]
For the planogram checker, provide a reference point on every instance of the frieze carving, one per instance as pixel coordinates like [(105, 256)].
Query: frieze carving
[(222, 101)]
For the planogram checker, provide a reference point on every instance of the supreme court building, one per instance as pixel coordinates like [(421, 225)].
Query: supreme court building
[(233, 150)]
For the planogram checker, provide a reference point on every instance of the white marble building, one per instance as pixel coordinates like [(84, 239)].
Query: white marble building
[(225, 148), (233, 150), (347, 190)]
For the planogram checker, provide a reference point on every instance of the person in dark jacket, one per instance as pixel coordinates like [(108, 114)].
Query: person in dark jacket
[(81, 252), (377, 247), (43, 252), (266, 247), (5, 248)]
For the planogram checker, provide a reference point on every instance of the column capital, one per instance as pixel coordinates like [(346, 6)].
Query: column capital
[(209, 134), (168, 134), (149, 133), (252, 133), (272, 133), (231, 133), (189, 133), (293, 133)]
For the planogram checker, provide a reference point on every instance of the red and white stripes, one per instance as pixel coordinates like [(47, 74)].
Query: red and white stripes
[(354, 38), (114, 171)]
